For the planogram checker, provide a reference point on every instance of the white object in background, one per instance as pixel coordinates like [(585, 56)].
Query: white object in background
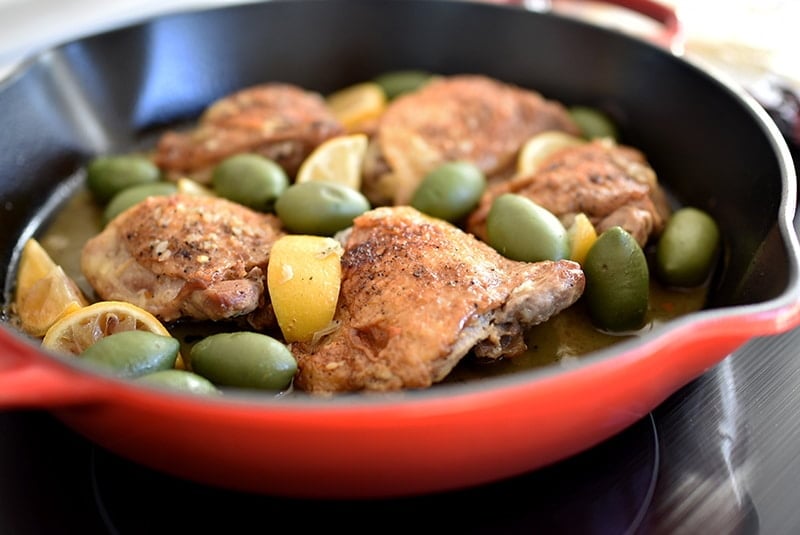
[(30, 26), (749, 38)]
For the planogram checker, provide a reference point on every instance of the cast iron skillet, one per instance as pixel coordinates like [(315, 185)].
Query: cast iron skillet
[(709, 142)]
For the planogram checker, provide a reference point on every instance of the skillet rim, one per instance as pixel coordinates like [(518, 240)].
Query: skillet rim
[(783, 303)]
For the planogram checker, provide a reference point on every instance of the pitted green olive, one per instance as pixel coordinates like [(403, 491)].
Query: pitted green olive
[(396, 83), (134, 195), (108, 175), (593, 122), (450, 191), (617, 281), (520, 229), (251, 180), (131, 354), (244, 360), (320, 208), (687, 249), (180, 380)]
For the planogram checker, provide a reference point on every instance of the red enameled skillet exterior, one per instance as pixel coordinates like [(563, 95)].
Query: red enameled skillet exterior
[(709, 142)]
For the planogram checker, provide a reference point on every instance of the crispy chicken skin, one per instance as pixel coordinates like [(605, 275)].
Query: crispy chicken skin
[(185, 256), (280, 121), (465, 117), (417, 295), (612, 184)]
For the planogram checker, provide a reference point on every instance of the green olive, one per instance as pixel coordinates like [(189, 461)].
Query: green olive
[(244, 360), (251, 180), (450, 191), (520, 229), (108, 175), (131, 354), (593, 122), (181, 380), (617, 281), (319, 207), (687, 250), (396, 83), (134, 195)]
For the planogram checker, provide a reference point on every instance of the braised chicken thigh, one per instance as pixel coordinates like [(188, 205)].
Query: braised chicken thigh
[(612, 184), (185, 256), (279, 121), (466, 117), (417, 295)]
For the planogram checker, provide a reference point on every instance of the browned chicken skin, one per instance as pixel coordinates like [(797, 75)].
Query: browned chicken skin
[(184, 256), (467, 117), (417, 295), (280, 121), (612, 184)]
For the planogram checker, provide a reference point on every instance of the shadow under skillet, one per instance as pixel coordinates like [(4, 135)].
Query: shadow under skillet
[(689, 466), (604, 490), (719, 456), (54, 481)]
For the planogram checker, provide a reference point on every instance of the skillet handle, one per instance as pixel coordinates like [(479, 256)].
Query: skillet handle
[(671, 36), (31, 381)]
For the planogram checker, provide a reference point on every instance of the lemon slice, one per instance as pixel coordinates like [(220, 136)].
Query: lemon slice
[(540, 147), (73, 333), (356, 105), (338, 159)]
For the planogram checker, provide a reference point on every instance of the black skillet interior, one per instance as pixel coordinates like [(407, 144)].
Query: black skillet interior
[(108, 93)]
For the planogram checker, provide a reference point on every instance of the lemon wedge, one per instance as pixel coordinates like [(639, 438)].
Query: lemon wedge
[(34, 264), (338, 159), (303, 279), (45, 293), (49, 299), (187, 186), (540, 147), (581, 235), (357, 105)]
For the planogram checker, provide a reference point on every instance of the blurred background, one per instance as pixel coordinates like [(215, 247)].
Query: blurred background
[(748, 37), (754, 42)]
